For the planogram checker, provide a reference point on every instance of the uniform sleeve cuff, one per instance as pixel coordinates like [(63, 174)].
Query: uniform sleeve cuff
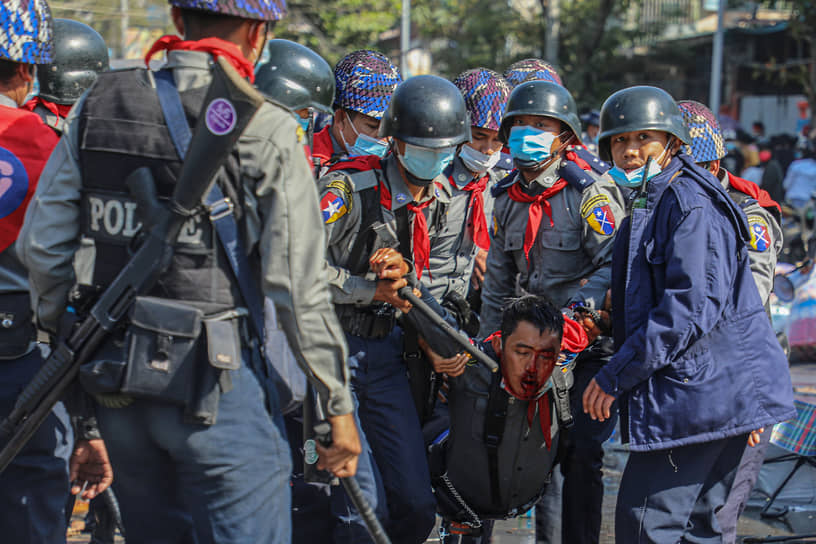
[(340, 404)]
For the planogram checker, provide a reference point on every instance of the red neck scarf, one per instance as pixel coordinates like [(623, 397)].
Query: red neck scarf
[(60, 110), (214, 46), (421, 239), (538, 204), (477, 188), (752, 189)]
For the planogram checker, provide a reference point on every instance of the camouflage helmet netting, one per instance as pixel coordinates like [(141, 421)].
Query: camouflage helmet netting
[(706, 138), (365, 82), (485, 93), (261, 10), (27, 31), (531, 70)]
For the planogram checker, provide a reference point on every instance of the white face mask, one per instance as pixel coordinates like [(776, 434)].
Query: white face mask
[(476, 161)]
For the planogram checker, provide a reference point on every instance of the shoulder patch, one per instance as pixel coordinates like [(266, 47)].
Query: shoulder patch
[(760, 236), (576, 176), (598, 215), (504, 184), (592, 160), (333, 206)]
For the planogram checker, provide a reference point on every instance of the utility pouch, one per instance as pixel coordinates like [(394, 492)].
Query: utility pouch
[(162, 349), (563, 380), (17, 330)]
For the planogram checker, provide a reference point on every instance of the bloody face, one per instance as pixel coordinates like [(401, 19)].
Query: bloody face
[(528, 357)]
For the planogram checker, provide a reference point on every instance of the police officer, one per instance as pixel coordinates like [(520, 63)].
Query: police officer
[(80, 55), (365, 81), (368, 205), (298, 78), (530, 70), (34, 487), (200, 473), (461, 249), (554, 224), (764, 215), (697, 366), (591, 122)]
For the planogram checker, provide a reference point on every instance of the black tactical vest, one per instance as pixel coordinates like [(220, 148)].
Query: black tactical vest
[(122, 128)]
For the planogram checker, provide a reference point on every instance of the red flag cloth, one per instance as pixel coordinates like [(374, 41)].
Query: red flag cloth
[(60, 110), (538, 204), (25, 145), (362, 163), (421, 239), (477, 188), (575, 338), (214, 46), (752, 189)]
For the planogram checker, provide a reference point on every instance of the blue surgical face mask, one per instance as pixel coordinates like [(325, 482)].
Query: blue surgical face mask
[(476, 161), (364, 145), (424, 163), (305, 123), (530, 144), (635, 178)]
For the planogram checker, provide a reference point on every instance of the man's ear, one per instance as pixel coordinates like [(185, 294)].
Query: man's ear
[(26, 72), (496, 342), (714, 167), (178, 20), (257, 36)]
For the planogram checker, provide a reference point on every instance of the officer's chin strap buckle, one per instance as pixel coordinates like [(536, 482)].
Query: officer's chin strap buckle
[(220, 209)]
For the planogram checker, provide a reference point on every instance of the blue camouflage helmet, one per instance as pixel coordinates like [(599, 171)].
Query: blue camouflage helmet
[(707, 142), (485, 93), (260, 10), (28, 31), (365, 81), (531, 70)]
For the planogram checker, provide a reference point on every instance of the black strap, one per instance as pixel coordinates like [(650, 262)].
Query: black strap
[(403, 218), (495, 417), (364, 244)]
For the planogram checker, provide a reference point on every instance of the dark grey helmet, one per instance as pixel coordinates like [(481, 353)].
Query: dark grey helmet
[(544, 98), (296, 77), (639, 108), (80, 55), (427, 111)]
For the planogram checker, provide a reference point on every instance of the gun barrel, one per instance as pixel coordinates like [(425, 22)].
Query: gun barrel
[(408, 294)]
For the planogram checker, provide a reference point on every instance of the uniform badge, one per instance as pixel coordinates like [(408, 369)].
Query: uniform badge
[(760, 239), (401, 198), (301, 134), (495, 226), (333, 207), (599, 215)]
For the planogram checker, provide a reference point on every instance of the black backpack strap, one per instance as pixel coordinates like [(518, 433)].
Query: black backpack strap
[(494, 432), (364, 244)]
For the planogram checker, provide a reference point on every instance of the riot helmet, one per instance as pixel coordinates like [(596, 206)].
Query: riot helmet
[(259, 10), (427, 111), (543, 98), (80, 55), (296, 77), (639, 108), (531, 70), (365, 81), (485, 93), (28, 31), (707, 143)]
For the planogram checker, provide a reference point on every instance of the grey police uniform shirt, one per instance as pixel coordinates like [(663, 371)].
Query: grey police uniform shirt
[(281, 221), (454, 250), (577, 247), (342, 215), (766, 241)]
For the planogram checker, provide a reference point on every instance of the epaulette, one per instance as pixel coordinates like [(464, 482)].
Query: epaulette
[(580, 178), (361, 170), (504, 184), (594, 162), (505, 162)]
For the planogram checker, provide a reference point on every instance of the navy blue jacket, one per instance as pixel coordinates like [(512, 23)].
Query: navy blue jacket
[(696, 359)]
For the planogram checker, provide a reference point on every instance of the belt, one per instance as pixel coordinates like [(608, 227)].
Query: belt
[(375, 321)]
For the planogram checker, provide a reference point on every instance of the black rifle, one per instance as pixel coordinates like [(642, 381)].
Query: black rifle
[(317, 429), (206, 154), (440, 335)]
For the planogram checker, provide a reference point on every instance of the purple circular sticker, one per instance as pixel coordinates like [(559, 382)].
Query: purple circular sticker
[(220, 116)]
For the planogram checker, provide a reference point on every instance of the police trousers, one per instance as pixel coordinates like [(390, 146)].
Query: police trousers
[(179, 482), (34, 487)]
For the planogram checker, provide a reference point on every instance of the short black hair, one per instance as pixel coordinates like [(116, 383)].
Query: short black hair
[(217, 22), (538, 310), (7, 69)]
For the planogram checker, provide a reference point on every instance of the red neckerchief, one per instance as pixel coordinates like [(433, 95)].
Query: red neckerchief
[(214, 46), (60, 110), (752, 189), (477, 188), (421, 239), (322, 146), (538, 203), (30, 141)]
